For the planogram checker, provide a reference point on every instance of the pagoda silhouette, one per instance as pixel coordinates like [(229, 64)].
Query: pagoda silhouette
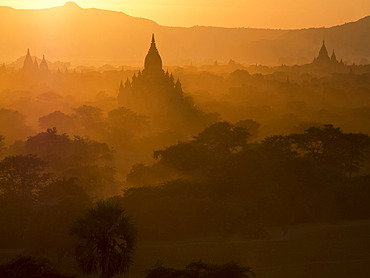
[(153, 61), (154, 93), (32, 70), (323, 58)]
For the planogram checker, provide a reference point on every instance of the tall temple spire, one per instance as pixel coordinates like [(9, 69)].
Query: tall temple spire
[(44, 65), (28, 65), (323, 54), (323, 57), (153, 61)]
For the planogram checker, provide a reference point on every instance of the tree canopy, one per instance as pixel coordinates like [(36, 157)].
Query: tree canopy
[(106, 240)]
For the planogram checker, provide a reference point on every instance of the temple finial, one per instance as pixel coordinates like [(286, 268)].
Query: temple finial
[(153, 41)]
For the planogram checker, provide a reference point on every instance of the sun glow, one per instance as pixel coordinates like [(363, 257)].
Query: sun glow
[(288, 14), (32, 4)]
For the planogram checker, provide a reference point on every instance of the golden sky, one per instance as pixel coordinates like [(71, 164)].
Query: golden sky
[(228, 13)]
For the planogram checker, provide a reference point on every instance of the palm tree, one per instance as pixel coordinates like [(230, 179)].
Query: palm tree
[(107, 240)]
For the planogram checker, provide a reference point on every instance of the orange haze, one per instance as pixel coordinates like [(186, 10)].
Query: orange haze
[(289, 14)]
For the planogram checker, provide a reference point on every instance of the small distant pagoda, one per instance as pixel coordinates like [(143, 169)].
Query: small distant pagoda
[(32, 68)]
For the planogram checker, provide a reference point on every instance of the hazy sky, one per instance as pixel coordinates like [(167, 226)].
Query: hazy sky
[(228, 13)]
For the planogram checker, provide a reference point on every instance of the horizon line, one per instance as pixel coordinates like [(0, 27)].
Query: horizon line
[(188, 26)]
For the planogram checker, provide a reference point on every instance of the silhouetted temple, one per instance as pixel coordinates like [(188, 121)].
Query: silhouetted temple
[(31, 69), (154, 92), (28, 65), (153, 61), (324, 59)]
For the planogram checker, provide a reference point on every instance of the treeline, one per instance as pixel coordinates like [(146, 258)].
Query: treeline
[(281, 99), (119, 127), (216, 184), (47, 184), (219, 184)]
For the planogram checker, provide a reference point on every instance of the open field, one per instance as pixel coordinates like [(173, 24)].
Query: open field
[(327, 250), (317, 250)]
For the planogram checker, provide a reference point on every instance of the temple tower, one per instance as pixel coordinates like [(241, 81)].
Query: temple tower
[(28, 65), (153, 61), (323, 54)]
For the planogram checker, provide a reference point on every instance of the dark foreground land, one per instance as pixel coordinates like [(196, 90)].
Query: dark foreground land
[(340, 250)]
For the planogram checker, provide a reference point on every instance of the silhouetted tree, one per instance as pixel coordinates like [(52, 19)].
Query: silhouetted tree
[(278, 146), (142, 175), (90, 121), (79, 157), (355, 147), (13, 125), (21, 179), (223, 137), (212, 146), (89, 113), (59, 206), (319, 143), (184, 156), (330, 146), (23, 176), (63, 122), (52, 146), (251, 126), (107, 240), (122, 118), (49, 145)]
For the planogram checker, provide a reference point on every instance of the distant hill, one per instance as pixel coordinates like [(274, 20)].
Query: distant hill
[(95, 36)]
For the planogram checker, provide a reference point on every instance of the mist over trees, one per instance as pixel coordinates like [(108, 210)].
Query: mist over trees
[(225, 185), (100, 164)]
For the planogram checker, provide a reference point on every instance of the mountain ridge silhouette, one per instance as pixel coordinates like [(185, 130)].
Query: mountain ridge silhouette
[(94, 36)]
